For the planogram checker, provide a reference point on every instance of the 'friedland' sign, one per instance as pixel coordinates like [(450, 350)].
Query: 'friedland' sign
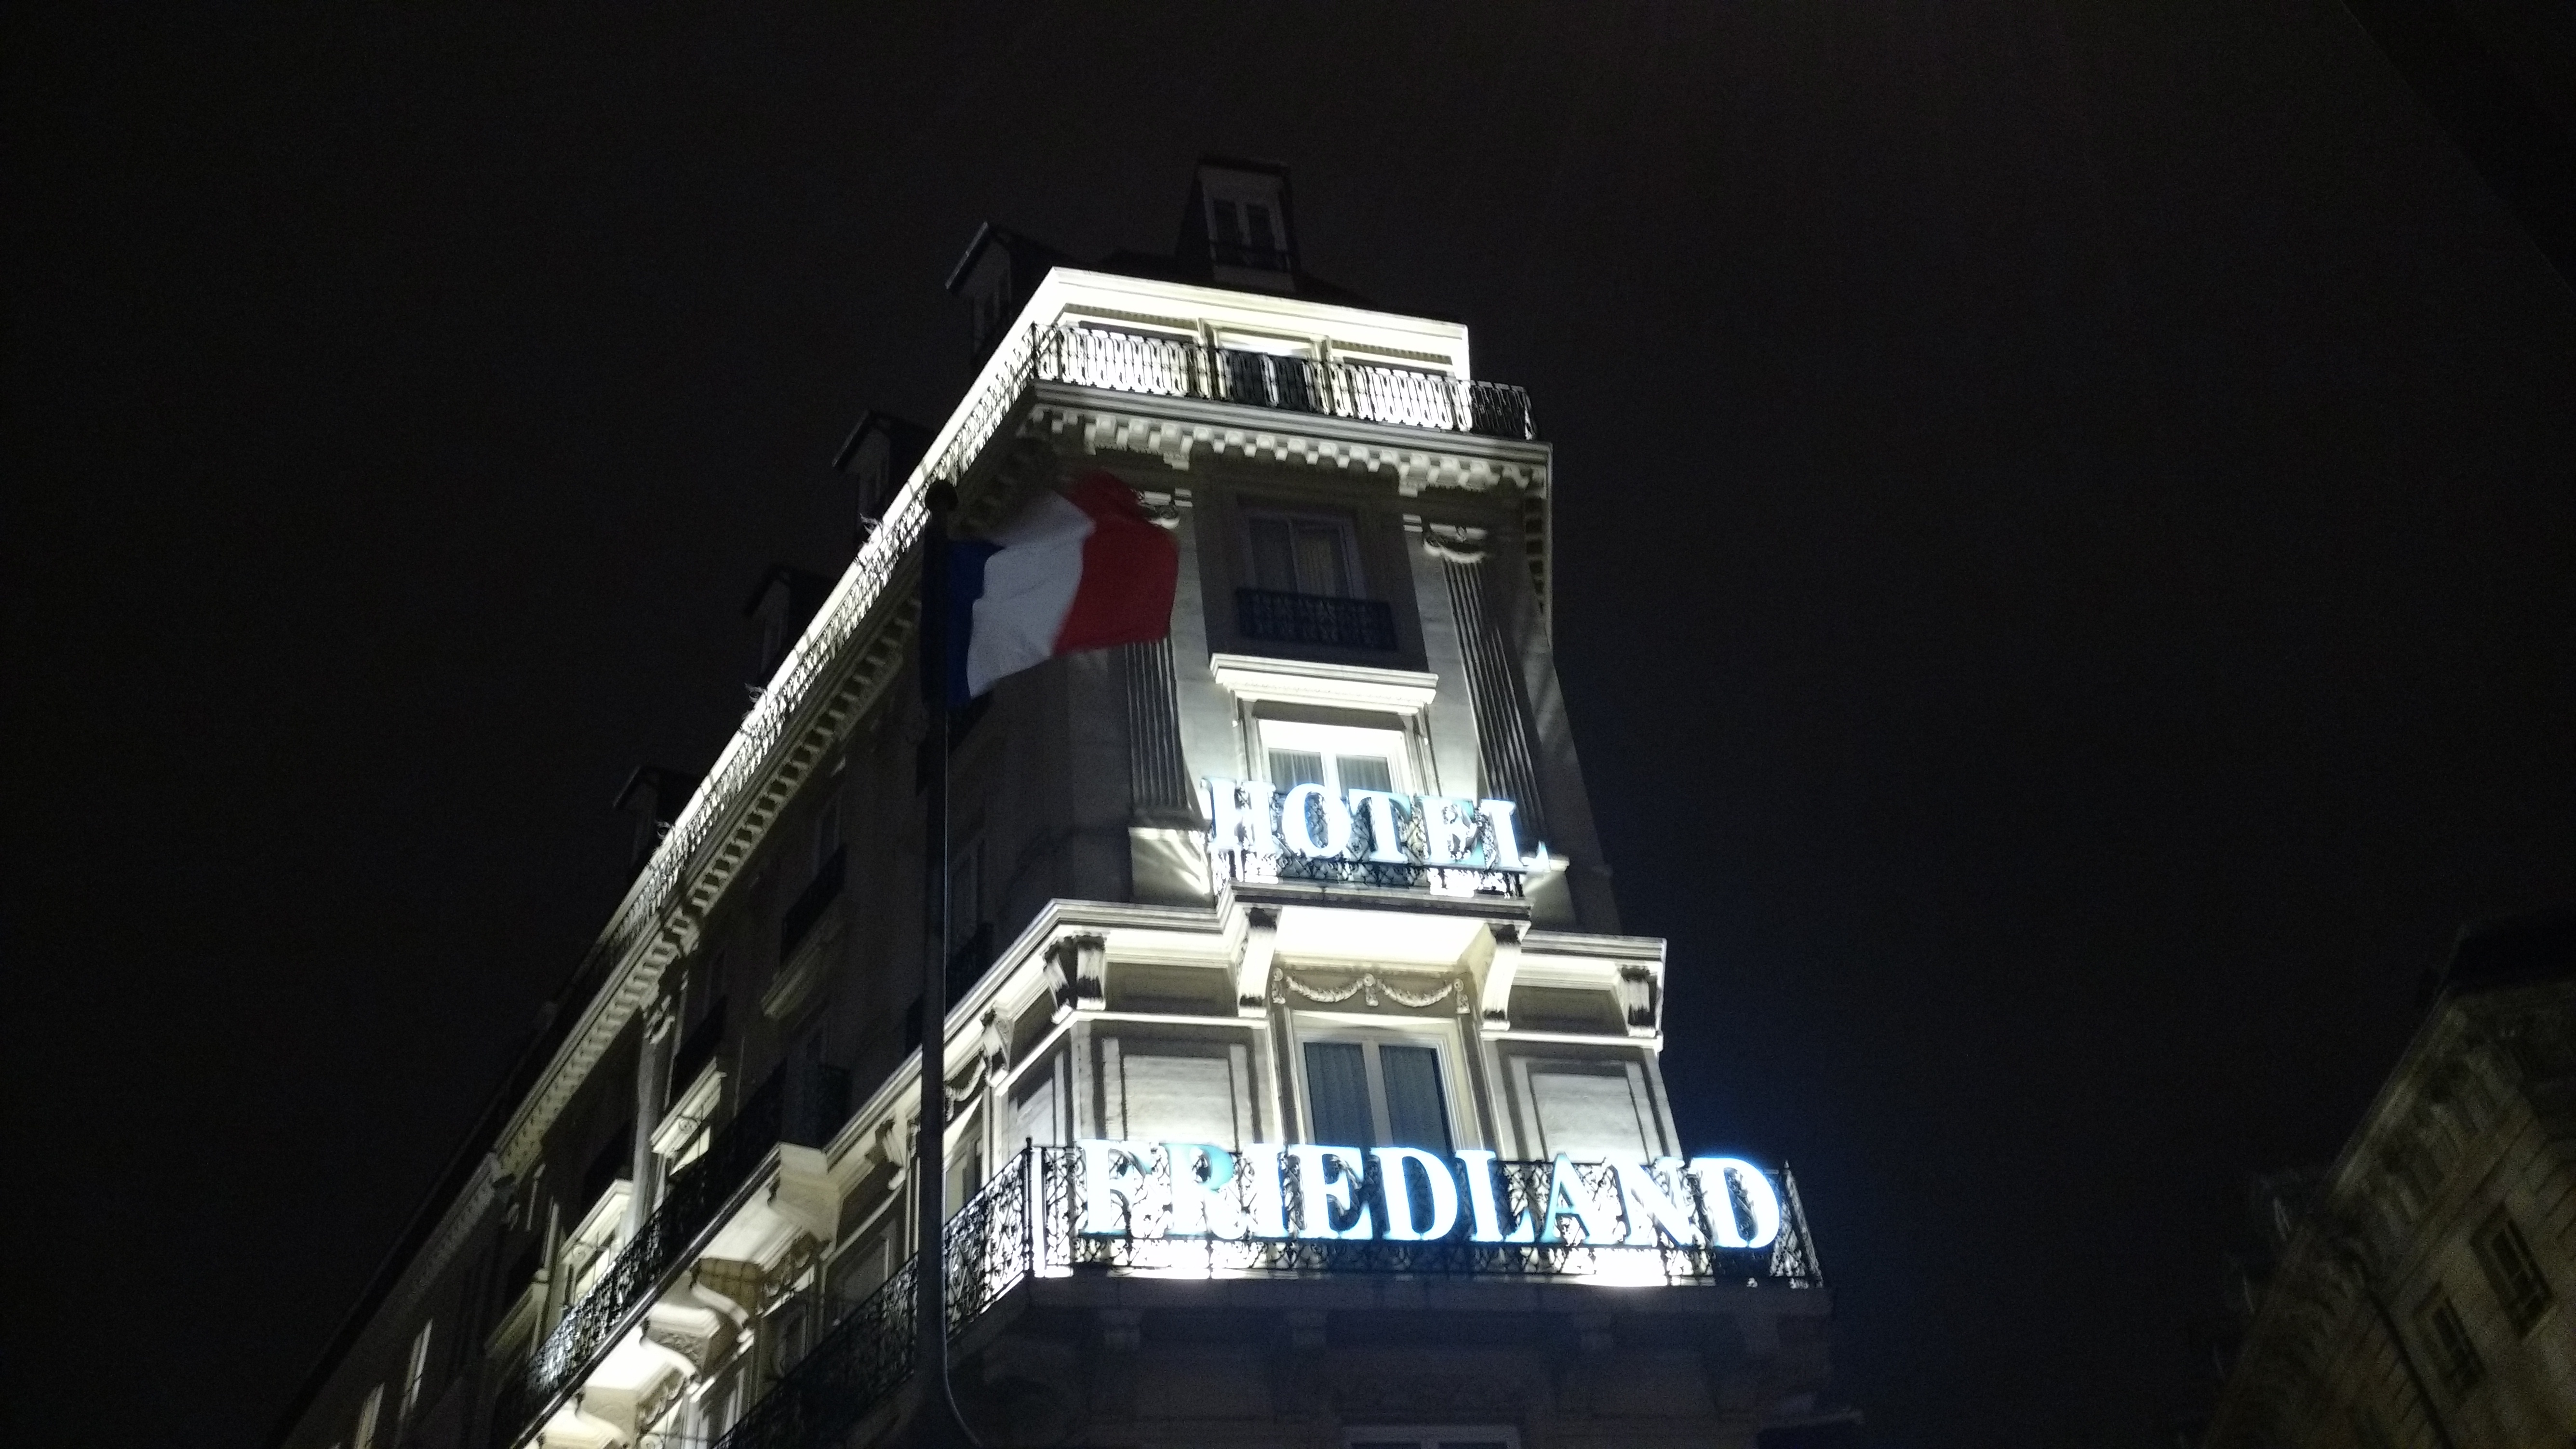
[(1407, 1194), (1313, 823)]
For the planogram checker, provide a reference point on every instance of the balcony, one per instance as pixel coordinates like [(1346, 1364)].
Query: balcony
[(1406, 397), (1274, 617), (691, 1201), (1025, 1226)]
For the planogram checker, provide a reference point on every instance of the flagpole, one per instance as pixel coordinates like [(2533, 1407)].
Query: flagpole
[(939, 1421)]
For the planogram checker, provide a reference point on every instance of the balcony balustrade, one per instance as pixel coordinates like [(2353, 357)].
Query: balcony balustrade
[(1319, 620), (1408, 397), (690, 1203), (1025, 1225)]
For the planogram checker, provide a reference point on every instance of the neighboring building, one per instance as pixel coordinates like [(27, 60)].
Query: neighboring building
[(690, 1225), (2415, 1294)]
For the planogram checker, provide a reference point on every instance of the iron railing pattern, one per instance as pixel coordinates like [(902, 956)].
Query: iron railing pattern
[(1411, 397), (690, 1202), (1283, 618), (1025, 1224)]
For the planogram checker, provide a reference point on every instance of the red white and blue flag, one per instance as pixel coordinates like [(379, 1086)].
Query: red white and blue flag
[(1081, 569)]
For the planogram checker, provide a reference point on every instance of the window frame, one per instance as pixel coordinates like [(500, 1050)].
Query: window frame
[(1458, 1102), (1332, 741), (2456, 1359), (1345, 525), (415, 1377), (2526, 1312), (371, 1412)]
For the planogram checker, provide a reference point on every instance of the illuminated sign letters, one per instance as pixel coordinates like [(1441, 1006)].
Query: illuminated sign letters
[(1379, 827), (1407, 1194)]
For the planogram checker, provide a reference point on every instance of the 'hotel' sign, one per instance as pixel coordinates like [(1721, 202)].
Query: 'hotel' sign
[(1375, 827)]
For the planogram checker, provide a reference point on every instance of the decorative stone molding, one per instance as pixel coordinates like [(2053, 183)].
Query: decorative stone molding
[(996, 1043), (1494, 1003), (1453, 543), (1256, 678), (1641, 1001), (1252, 968), (1368, 987), (1077, 969)]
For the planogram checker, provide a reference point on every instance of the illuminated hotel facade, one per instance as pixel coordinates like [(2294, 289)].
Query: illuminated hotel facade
[(1302, 1086)]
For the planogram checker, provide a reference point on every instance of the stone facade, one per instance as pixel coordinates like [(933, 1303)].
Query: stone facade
[(690, 1224), (2417, 1295)]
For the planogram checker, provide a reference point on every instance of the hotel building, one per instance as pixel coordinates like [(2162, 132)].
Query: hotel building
[(1302, 1086)]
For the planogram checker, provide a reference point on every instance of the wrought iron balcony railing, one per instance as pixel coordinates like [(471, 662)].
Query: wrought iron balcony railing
[(690, 1202), (1409, 397), (1025, 1224), (1276, 617)]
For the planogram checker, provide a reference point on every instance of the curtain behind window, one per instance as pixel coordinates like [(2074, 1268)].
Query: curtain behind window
[(1415, 1113), (1337, 1090)]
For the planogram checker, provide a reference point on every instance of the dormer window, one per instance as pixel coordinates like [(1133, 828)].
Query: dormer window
[(1247, 235), (1239, 222)]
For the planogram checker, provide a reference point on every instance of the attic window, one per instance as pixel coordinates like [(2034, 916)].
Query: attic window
[(1245, 234), (1244, 222)]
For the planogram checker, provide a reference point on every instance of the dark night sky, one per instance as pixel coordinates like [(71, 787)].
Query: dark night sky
[(2065, 530)]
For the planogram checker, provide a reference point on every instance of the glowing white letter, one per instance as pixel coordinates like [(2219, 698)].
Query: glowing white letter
[(1399, 1194), (1299, 829), (1319, 1199), (1201, 1207), (1568, 1196), (1655, 1199), (1260, 1166), (1724, 1228), (1235, 825), (1507, 836), (1386, 843), (1486, 1222), (1112, 1187), (1449, 829)]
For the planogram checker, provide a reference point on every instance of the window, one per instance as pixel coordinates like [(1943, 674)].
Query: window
[(1171, 1092), (2454, 1355), (1591, 1108), (1300, 553), (2512, 1271), (1338, 757), (862, 1269), (415, 1374), (1371, 1092), (827, 830), (370, 1409)]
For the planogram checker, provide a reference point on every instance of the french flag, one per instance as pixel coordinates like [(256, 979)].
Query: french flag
[(1081, 569)]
